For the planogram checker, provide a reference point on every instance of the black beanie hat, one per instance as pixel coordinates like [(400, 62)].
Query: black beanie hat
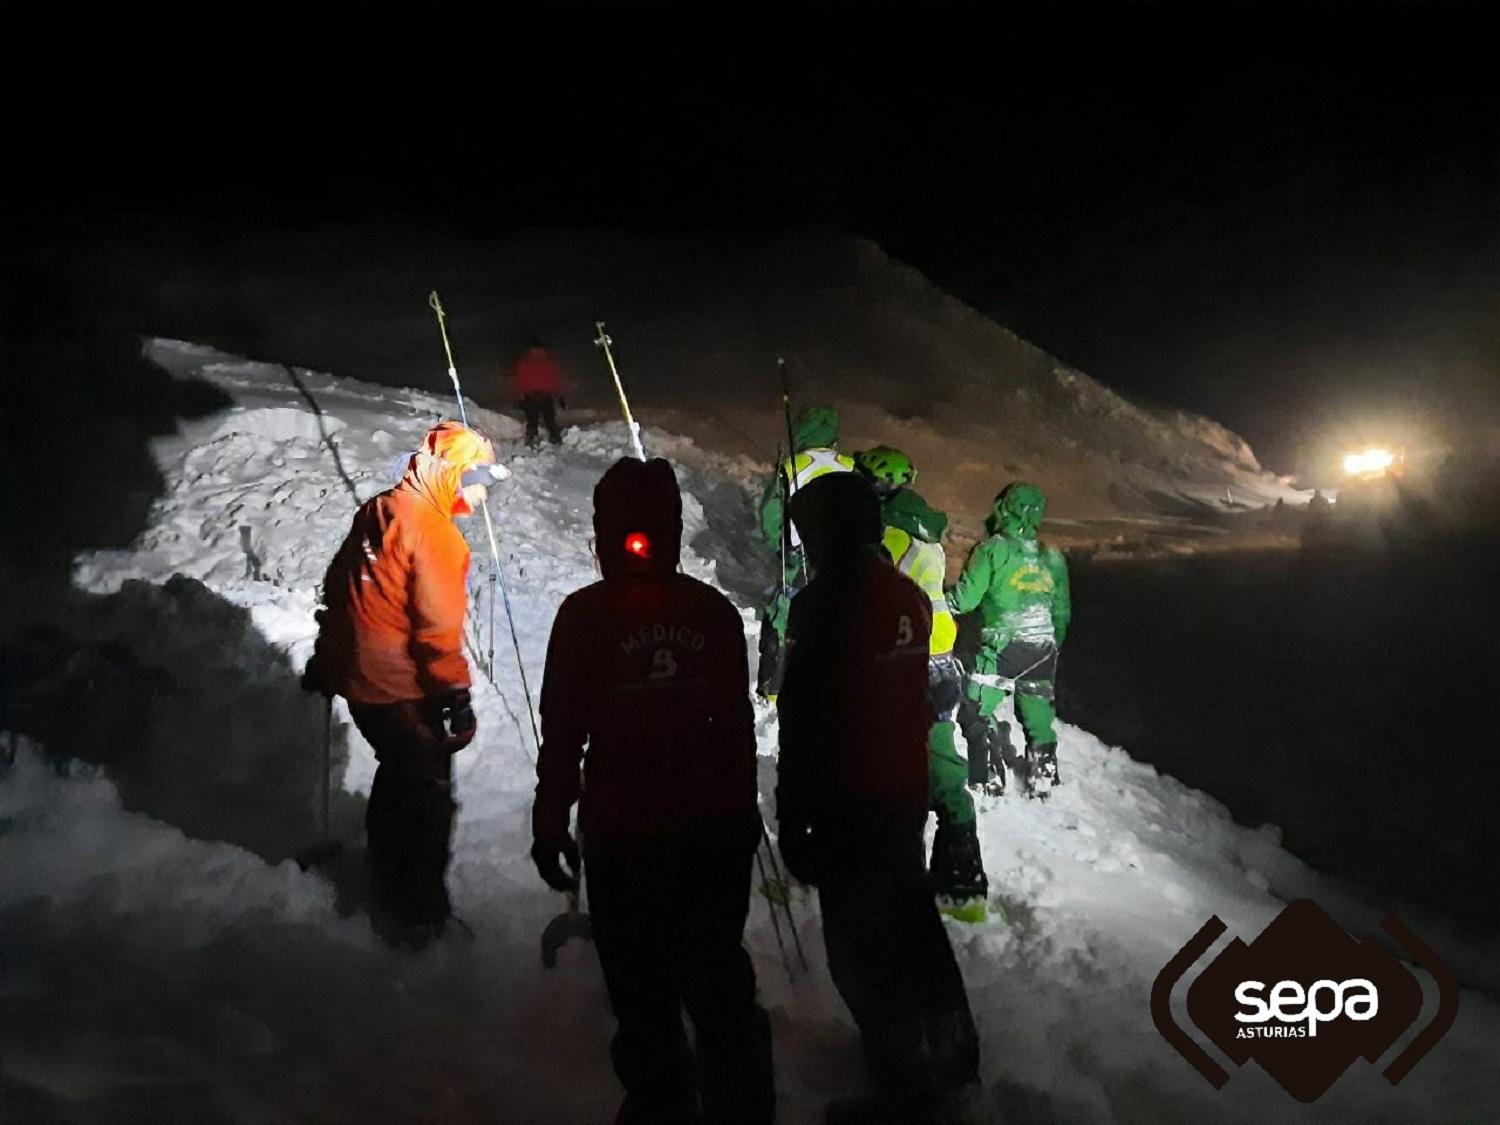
[(632, 497)]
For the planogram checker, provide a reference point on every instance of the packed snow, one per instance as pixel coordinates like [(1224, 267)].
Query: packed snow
[(163, 958)]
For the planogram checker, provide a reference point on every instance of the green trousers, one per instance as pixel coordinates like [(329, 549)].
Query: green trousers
[(946, 769), (947, 777)]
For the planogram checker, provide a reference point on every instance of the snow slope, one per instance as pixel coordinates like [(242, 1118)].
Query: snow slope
[(170, 964), (698, 320)]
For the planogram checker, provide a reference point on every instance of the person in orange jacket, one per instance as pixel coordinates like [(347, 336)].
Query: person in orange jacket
[(539, 384), (390, 642)]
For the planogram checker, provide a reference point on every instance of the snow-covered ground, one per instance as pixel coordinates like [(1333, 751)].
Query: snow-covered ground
[(154, 966)]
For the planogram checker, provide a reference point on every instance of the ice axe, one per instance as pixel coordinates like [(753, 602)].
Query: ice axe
[(570, 923)]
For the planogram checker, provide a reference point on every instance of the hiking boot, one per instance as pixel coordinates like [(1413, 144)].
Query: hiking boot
[(957, 872), (1041, 770)]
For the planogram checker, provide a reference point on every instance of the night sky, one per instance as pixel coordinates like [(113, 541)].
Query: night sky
[(1284, 216)]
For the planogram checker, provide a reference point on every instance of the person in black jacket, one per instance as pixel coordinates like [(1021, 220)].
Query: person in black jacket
[(851, 803), (647, 669)]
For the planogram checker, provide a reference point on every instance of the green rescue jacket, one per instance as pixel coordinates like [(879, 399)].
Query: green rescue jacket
[(1019, 586)]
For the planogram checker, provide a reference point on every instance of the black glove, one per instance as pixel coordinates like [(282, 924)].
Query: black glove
[(459, 723), (799, 852), (548, 852), (314, 678), (562, 403), (315, 675)]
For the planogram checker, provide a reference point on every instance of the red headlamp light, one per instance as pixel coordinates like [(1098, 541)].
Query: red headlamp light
[(637, 543)]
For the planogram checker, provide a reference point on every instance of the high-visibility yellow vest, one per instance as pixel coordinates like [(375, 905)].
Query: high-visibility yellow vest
[(807, 467), (926, 565)]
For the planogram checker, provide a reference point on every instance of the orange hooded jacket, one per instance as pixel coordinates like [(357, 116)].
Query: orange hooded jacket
[(396, 590)]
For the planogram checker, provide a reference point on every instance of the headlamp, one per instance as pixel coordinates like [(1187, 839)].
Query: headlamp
[(485, 474)]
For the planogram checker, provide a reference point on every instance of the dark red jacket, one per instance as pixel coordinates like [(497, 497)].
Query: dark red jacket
[(538, 373), (853, 704), (650, 674)]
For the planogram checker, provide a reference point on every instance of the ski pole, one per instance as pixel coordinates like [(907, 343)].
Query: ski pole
[(489, 602), (603, 341), (442, 318), (484, 659), (786, 471), (510, 616), (786, 413), (789, 489), (789, 472), (489, 528), (786, 902), (779, 461), (765, 889)]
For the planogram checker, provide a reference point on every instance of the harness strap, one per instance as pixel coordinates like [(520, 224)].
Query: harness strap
[(1041, 689)]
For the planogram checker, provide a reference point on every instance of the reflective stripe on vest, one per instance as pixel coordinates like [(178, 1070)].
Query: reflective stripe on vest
[(819, 462), (929, 578)]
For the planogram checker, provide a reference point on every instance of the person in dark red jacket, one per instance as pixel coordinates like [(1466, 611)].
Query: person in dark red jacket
[(851, 801), (539, 385), (390, 642), (648, 670)]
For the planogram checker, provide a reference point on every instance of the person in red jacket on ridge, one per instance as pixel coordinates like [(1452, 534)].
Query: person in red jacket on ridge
[(648, 670), (539, 385), (390, 642)]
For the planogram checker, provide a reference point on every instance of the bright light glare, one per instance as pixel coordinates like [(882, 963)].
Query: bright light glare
[(1368, 462)]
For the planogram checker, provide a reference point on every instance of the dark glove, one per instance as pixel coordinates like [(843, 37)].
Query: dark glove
[(315, 675), (799, 852), (315, 678), (548, 852), (459, 723), (562, 403)]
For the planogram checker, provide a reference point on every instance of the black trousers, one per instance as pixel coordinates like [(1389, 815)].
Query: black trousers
[(891, 962), (993, 746), (771, 648), (409, 818), (540, 409), (668, 919)]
